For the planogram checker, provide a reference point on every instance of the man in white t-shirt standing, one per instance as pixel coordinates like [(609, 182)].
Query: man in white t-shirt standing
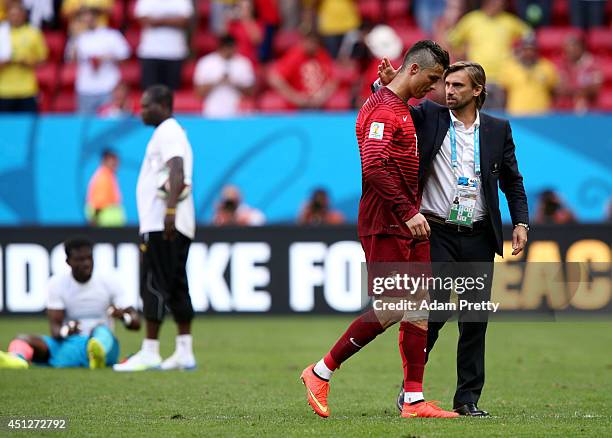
[(163, 41), (81, 306), (167, 227), (97, 51), (221, 78)]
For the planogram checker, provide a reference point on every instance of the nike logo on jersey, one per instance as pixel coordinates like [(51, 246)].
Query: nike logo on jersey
[(354, 343)]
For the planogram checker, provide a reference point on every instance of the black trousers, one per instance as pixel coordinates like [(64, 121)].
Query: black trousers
[(163, 277), (475, 251), (23, 105), (160, 72)]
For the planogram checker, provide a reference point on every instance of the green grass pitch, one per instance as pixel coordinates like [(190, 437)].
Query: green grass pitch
[(543, 379)]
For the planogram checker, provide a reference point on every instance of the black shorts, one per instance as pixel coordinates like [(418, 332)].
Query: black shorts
[(163, 277)]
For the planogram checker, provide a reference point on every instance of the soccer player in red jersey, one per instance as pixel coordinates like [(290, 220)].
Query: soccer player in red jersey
[(390, 227)]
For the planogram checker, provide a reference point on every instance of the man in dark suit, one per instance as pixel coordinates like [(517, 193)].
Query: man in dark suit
[(459, 140)]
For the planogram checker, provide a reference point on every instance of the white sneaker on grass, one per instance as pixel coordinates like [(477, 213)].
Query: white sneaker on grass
[(179, 362), (141, 361)]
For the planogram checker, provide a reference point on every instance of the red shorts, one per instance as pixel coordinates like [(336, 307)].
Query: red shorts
[(389, 255), (389, 248)]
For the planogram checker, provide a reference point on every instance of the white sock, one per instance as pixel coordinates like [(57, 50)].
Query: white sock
[(411, 397), (184, 345), (322, 371), (150, 346)]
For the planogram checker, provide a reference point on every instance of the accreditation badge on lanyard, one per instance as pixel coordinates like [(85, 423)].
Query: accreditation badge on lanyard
[(467, 190)]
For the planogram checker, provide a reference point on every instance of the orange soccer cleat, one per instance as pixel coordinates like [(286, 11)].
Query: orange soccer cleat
[(426, 409), (316, 391)]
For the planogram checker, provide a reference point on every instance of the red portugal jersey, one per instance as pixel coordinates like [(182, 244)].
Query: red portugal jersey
[(389, 165)]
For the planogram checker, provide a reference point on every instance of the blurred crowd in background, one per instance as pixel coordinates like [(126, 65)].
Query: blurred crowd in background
[(103, 206), (226, 57)]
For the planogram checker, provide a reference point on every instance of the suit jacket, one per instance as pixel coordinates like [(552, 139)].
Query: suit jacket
[(497, 161)]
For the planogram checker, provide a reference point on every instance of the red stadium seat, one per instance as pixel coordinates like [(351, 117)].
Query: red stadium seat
[(133, 38), (56, 41), (410, 35), (67, 76), (47, 76), (339, 101), (117, 14), (605, 64), (204, 43), (599, 41), (64, 102), (45, 101), (396, 8), (130, 72), (551, 39), (203, 12), (272, 102), (371, 10), (285, 39), (560, 13), (346, 73), (247, 105), (185, 101), (132, 21), (604, 102), (187, 74)]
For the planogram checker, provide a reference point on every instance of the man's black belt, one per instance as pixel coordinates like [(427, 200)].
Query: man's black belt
[(476, 226)]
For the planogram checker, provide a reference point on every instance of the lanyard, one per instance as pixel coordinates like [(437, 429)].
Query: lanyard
[(453, 144)]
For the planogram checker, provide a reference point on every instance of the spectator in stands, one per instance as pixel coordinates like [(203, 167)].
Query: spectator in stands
[(268, 14), (529, 80), (220, 11), (71, 9), (291, 13), (98, 51), (247, 32), (39, 11), (588, 13), (317, 211), (303, 76), (486, 36), (535, 12), (120, 105), (222, 78), (335, 20), (23, 48), (552, 211), (232, 211), (163, 43), (427, 13), (103, 207), (581, 78), (382, 42)]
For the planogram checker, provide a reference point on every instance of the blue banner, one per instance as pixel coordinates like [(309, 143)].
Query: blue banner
[(46, 163)]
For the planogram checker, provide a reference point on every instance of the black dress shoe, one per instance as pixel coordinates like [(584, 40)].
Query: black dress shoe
[(471, 410), (400, 397)]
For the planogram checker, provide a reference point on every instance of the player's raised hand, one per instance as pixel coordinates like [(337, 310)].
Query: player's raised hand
[(419, 227), (386, 72)]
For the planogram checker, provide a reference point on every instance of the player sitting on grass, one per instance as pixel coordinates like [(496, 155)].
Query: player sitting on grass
[(81, 306)]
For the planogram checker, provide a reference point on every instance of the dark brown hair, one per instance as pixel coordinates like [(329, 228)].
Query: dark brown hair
[(476, 74)]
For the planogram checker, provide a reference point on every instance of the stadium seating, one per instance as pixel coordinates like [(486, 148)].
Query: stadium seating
[(185, 101), (56, 78), (599, 41), (551, 39), (130, 72), (56, 41)]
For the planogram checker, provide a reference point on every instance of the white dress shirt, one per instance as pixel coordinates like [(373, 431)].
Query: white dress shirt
[(442, 182)]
